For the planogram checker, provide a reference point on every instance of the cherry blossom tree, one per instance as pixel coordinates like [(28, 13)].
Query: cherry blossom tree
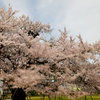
[(47, 67), (20, 50)]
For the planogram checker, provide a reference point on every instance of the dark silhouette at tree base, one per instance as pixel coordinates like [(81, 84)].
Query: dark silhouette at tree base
[(18, 94)]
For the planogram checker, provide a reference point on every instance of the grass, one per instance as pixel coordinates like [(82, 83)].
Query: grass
[(46, 98), (95, 97)]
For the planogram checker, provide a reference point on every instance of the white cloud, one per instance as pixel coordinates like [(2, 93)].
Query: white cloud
[(89, 21), (82, 17), (20, 5), (78, 16)]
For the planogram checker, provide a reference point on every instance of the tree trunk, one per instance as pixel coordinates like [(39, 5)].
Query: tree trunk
[(18, 94), (59, 98), (42, 97), (91, 97), (55, 97), (49, 97), (85, 97)]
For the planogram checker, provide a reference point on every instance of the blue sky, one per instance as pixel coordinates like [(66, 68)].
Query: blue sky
[(78, 16)]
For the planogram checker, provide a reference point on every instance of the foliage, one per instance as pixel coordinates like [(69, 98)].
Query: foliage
[(33, 93)]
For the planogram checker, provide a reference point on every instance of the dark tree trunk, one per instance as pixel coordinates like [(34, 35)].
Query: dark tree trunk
[(91, 97), (18, 94), (49, 97), (59, 98), (85, 97)]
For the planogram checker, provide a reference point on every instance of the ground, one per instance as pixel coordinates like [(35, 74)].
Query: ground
[(95, 97)]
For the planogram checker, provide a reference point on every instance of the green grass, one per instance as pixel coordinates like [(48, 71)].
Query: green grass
[(46, 98), (95, 97)]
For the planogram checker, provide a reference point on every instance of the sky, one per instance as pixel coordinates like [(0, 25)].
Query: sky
[(78, 16)]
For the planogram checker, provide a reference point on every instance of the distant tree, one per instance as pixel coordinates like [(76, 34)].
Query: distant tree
[(48, 67)]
